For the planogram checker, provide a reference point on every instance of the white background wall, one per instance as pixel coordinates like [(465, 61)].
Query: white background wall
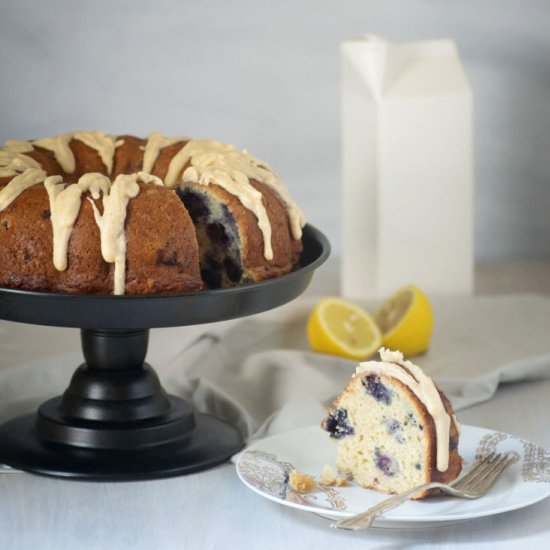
[(265, 76)]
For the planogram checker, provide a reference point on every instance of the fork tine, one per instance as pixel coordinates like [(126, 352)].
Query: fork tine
[(489, 475), (482, 472), (474, 472), (496, 473)]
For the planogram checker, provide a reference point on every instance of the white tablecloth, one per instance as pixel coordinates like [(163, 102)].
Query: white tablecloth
[(485, 340)]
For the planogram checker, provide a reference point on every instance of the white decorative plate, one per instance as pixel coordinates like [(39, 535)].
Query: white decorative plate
[(264, 467)]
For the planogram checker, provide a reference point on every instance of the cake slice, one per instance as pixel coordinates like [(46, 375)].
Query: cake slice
[(394, 428)]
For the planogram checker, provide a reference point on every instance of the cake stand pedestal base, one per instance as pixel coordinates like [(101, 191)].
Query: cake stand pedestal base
[(212, 443), (115, 421)]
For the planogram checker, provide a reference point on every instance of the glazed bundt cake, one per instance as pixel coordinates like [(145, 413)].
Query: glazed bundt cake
[(86, 212), (394, 428)]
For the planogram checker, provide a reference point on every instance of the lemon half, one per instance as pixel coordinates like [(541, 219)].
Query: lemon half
[(406, 321), (339, 327)]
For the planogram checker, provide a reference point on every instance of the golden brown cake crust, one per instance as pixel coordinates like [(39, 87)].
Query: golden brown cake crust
[(455, 461), (163, 254), (87, 272), (161, 247), (87, 160), (166, 154), (128, 155), (26, 243), (46, 159)]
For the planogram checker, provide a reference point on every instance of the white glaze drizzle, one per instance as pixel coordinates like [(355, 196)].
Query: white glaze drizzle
[(155, 142), (18, 146), (65, 205), (209, 164), (59, 145), (13, 162), (95, 183), (64, 208), (149, 178), (214, 162), (423, 387), (21, 182), (263, 173), (111, 225)]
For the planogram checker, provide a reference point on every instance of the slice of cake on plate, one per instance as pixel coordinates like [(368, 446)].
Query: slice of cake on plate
[(394, 428)]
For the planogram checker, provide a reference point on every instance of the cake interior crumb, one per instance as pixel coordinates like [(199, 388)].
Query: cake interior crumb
[(301, 482), (329, 478)]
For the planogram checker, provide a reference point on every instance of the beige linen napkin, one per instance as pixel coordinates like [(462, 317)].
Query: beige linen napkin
[(259, 375)]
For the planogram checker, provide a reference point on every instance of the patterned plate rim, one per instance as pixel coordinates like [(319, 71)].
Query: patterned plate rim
[(265, 473)]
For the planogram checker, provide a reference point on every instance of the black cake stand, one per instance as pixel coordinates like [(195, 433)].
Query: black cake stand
[(115, 421)]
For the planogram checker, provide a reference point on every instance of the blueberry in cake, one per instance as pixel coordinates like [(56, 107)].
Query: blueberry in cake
[(88, 212), (394, 428)]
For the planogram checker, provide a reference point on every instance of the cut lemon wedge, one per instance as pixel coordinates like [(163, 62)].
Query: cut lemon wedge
[(406, 321), (339, 327)]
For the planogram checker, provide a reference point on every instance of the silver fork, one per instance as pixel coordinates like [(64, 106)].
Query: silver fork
[(476, 483)]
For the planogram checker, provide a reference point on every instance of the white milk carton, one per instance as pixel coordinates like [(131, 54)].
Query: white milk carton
[(407, 132)]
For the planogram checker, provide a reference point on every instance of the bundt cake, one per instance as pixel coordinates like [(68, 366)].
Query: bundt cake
[(87, 212), (394, 428)]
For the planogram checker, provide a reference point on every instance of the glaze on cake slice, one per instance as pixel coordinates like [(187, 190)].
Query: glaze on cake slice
[(393, 427)]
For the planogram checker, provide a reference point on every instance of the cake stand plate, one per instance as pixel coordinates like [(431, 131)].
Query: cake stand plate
[(115, 421)]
